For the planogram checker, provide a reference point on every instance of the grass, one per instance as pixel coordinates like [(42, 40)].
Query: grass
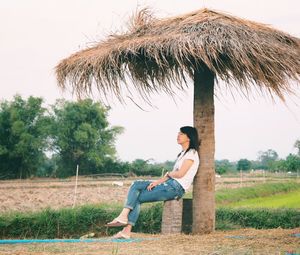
[(287, 200), (229, 196)]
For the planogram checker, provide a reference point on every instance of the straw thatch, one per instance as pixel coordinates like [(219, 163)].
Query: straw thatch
[(158, 54)]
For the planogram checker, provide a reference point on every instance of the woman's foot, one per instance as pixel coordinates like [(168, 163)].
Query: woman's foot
[(121, 235), (117, 222)]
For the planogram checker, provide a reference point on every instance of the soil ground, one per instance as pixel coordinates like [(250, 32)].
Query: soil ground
[(237, 242), (34, 195)]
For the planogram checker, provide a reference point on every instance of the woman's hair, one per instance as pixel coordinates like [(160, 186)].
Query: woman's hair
[(192, 134)]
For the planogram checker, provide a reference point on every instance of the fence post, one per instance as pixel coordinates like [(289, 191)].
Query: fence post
[(75, 192)]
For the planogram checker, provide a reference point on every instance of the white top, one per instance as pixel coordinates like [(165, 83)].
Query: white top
[(188, 178)]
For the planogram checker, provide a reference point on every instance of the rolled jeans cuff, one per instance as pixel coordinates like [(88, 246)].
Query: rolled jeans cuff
[(131, 223), (128, 207)]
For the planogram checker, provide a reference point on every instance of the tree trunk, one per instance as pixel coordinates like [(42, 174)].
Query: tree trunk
[(204, 182)]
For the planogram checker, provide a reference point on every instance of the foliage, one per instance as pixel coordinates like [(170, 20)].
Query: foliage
[(257, 218), (292, 163), (269, 160), (224, 166), (244, 164), (24, 128), (116, 166), (49, 167), (63, 223), (266, 158), (142, 167), (81, 135), (150, 218), (297, 146)]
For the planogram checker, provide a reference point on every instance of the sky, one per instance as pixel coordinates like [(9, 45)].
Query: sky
[(36, 34)]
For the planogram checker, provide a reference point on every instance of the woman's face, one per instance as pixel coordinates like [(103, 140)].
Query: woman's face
[(182, 138)]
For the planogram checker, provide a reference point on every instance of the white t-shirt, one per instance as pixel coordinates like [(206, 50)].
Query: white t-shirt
[(188, 178)]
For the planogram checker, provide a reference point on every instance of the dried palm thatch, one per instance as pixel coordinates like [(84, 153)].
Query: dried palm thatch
[(160, 54)]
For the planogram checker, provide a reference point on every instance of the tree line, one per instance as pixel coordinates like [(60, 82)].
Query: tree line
[(39, 141), (51, 142)]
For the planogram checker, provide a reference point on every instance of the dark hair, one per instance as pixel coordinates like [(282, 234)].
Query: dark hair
[(192, 134)]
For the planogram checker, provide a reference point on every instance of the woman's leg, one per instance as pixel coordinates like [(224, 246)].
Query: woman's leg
[(134, 192), (132, 200), (161, 192), (139, 194)]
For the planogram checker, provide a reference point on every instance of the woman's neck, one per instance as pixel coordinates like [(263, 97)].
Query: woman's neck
[(185, 146)]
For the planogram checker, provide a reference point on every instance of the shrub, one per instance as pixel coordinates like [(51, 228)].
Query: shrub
[(258, 218), (73, 223)]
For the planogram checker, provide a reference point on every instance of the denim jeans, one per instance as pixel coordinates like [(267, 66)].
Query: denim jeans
[(139, 194)]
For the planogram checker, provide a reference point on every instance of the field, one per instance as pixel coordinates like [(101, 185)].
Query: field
[(35, 195), (289, 200)]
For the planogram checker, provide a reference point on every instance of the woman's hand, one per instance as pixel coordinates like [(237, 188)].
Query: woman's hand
[(152, 185)]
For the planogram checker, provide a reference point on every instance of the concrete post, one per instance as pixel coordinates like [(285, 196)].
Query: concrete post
[(172, 217)]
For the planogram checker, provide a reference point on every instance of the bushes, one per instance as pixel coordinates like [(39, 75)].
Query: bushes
[(257, 218), (73, 223), (64, 223)]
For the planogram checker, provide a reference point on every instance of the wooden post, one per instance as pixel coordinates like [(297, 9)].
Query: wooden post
[(76, 182)]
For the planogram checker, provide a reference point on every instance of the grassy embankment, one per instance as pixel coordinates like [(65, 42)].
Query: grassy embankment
[(66, 223), (267, 195)]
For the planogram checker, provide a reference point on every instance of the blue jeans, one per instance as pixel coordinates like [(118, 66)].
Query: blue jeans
[(139, 194)]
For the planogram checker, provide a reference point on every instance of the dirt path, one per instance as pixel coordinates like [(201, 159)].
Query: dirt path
[(239, 242)]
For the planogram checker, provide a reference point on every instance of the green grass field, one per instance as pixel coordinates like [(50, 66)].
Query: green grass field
[(266, 195), (286, 200)]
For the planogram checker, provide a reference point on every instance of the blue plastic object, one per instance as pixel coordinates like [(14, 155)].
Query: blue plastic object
[(99, 240)]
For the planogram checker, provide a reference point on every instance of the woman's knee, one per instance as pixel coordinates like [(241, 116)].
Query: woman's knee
[(140, 184)]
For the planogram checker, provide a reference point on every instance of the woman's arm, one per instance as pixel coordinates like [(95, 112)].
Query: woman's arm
[(157, 182), (174, 174), (186, 165)]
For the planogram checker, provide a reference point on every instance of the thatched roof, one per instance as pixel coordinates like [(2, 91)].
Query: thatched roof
[(158, 54)]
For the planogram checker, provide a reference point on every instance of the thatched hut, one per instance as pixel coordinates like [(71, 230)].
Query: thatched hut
[(160, 55)]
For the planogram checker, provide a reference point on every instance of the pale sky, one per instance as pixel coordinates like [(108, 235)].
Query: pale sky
[(36, 34)]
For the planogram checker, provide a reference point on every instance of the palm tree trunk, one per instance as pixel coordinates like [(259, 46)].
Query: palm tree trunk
[(204, 182)]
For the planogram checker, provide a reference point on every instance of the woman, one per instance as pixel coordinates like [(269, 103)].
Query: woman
[(172, 186)]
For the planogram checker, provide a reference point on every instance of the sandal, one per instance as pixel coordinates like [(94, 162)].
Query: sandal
[(120, 235), (116, 223)]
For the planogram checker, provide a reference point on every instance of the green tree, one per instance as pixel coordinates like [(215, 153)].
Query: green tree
[(116, 166), (277, 165), (297, 146), (145, 167), (267, 158), (223, 166), (292, 163), (244, 164), (23, 136), (81, 135)]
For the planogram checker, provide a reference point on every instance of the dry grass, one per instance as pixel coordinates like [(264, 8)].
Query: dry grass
[(158, 55), (247, 241)]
